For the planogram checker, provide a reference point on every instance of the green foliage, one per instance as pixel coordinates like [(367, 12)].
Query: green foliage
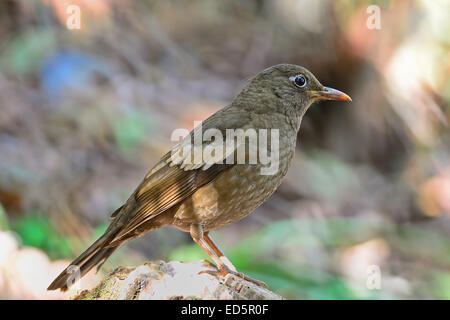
[(36, 230), (24, 54), (422, 244), (99, 230), (441, 285), (190, 252), (3, 219), (130, 130)]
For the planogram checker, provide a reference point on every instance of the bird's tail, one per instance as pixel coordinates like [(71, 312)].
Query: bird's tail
[(96, 254)]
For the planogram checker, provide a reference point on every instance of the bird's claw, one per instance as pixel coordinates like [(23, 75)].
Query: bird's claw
[(208, 263), (224, 270)]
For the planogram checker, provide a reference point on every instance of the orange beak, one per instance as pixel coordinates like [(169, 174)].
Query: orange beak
[(330, 94)]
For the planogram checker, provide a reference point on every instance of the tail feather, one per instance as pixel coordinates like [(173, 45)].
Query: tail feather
[(96, 254)]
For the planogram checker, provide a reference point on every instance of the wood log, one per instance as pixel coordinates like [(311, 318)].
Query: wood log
[(174, 280)]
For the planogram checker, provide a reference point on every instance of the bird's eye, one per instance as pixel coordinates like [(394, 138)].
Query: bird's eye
[(299, 81)]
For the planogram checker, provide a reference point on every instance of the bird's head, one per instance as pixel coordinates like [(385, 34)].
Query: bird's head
[(289, 86)]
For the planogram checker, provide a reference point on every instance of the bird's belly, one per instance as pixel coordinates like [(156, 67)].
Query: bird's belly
[(231, 197)]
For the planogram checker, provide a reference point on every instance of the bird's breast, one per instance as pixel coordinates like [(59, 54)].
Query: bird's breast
[(234, 194)]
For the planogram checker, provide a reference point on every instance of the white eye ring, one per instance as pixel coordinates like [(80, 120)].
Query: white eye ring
[(299, 80)]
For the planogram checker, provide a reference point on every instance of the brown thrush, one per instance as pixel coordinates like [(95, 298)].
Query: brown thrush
[(203, 195)]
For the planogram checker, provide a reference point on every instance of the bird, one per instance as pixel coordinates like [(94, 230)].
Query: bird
[(203, 195)]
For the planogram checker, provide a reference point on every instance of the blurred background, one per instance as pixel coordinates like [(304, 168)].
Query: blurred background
[(84, 113)]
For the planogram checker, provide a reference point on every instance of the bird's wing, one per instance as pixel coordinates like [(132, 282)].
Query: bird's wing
[(173, 179)]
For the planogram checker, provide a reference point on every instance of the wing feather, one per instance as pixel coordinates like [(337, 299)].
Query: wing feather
[(173, 179)]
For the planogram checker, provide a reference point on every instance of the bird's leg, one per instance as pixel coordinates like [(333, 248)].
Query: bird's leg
[(204, 241), (198, 236), (218, 252)]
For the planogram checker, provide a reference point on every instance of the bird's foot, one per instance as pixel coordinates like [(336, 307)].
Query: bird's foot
[(223, 270), (209, 263)]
